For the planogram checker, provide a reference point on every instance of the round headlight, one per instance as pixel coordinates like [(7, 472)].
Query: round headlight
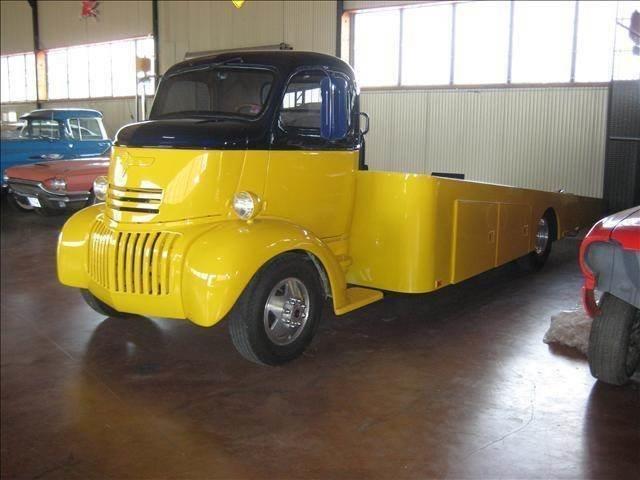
[(100, 185), (56, 184), (246, 205)]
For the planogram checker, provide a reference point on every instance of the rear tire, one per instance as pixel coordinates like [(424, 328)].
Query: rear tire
[(536, 259), (276, 316), (98, 305), (614, 342)]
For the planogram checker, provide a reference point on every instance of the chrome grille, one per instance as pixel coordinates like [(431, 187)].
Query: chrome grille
[(140, 200), (131, 262)]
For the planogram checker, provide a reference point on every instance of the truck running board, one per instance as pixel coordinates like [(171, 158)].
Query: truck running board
[(359, 297)]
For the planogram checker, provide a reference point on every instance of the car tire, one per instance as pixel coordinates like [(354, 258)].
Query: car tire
[(98, 305), (535, 260), (614, 342), (276, 316)]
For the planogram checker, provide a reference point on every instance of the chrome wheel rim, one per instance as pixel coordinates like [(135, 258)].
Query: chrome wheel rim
[(542, 236), (286, 311)]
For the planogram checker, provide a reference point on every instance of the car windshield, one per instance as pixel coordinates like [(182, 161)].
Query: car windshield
[(213, 91), (41, 129)]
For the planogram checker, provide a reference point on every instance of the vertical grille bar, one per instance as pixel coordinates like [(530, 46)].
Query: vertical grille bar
[(131, 262)]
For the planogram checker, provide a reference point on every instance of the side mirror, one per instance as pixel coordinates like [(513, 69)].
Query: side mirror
[(335, 109)]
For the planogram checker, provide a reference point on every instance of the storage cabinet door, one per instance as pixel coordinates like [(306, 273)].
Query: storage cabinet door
[(474, 238), (513, 232)]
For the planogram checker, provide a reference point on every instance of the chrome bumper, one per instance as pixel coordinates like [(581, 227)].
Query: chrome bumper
[(62, 200)]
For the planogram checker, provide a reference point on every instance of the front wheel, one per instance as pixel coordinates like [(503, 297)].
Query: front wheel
[(98, 305), (614, 342), (276, 316)]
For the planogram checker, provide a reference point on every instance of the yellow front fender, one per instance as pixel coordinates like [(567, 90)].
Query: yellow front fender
[(220, 263), (72, 247)]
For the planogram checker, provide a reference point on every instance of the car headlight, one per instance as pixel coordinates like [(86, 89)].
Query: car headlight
[(100, 185), (56, 184), (246, 205)]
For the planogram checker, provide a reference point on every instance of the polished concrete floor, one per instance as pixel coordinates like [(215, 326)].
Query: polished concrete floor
[(457, 384)]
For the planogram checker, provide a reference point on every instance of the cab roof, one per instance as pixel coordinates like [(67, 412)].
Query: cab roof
[(285, 61), (61, 114)]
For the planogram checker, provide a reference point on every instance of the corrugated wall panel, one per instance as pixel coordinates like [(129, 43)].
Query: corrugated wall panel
[(544, 138)]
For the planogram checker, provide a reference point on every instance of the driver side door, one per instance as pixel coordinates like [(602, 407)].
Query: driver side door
[(310, 180)]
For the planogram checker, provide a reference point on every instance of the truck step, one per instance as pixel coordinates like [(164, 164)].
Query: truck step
[(359, 297)]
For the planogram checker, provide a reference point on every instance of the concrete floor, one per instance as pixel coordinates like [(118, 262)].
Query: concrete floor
[(456, 384)]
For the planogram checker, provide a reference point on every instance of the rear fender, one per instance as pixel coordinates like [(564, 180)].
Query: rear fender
[(221, 262)]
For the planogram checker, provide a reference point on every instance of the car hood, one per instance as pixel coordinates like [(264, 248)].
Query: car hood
[(212, 134), (59, 168)]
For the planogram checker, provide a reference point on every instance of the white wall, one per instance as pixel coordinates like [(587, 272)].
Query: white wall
[(194, 26), (544, 138), (61, 24), (16, 27)]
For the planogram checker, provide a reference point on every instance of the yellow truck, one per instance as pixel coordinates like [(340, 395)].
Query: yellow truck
[(246, 196)]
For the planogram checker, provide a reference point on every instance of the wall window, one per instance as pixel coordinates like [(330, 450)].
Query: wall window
[(494, 42), (18, 80), (426, 45), (377, 43), (481, 42), (98, 70), (542, 41)]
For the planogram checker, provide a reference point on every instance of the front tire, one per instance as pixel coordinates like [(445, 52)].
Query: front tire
[(276, 316), (98, 305), (614, 342)]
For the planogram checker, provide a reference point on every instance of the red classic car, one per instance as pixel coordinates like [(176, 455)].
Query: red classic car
[(610, 262), (54, 186)]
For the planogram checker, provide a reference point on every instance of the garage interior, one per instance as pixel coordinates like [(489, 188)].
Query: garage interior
[(457, 383)]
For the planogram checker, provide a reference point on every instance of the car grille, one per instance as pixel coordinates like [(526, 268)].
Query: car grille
[(140, 200), (131, 262)]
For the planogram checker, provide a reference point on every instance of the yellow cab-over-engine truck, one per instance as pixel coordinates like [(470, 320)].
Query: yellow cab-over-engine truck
[(245, 196)]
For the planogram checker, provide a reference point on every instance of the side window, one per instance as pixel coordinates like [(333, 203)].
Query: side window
[(44, 129), (302, 102), (90, 129), (74, 129)]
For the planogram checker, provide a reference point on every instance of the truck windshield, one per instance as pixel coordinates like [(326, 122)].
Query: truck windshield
[(211, 92)]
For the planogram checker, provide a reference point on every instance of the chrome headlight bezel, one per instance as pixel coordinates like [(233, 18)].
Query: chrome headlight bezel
[(56, 184), (100, 186), (246, 205)]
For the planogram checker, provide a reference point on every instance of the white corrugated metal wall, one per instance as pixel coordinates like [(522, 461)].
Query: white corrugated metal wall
[(546, 138)]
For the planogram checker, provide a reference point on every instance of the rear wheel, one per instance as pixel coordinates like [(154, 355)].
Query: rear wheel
[(276, 316), (536, 259), (614, 342), (98, 305)]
